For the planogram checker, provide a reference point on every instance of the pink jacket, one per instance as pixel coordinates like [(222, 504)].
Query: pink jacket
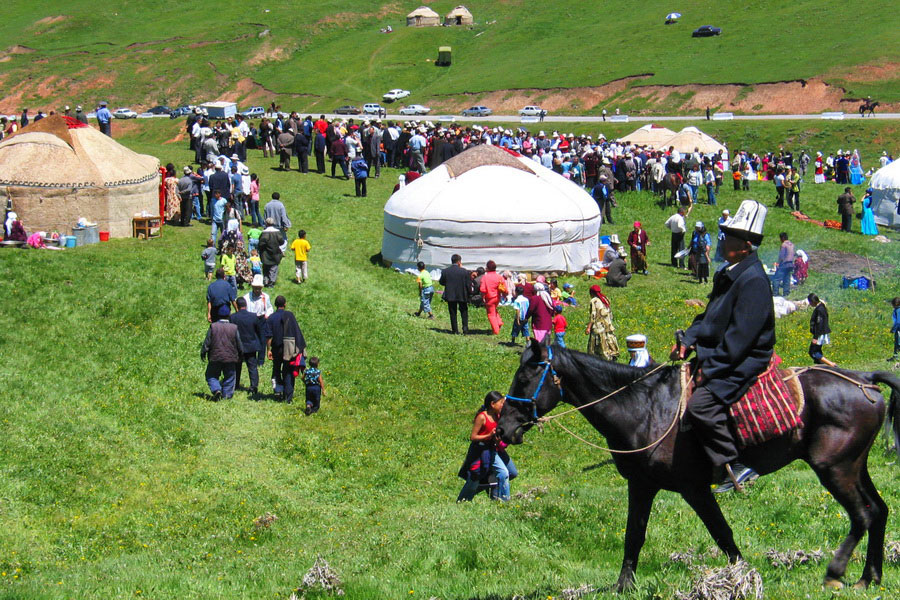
[(489, 284)]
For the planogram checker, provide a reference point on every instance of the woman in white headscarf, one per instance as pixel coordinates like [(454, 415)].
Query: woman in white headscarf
[(540, 309), (10, 217)]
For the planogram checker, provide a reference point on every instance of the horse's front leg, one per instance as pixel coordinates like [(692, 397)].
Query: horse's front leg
[(640, 501), (706, 507)]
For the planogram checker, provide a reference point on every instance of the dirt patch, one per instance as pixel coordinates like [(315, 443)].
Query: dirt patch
[(179, 137), (867, 73), (19, 49), (780, 97), (509, 101), (268, 52), (50, 20), (846, 263), (343, 19)]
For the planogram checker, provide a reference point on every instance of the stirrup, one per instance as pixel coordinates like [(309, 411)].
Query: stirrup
[(734, 481)]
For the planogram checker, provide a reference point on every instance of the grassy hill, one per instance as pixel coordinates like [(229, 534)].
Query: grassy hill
[(315, 55), (119, 480)]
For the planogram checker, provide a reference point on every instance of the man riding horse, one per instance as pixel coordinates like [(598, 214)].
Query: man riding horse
[(734, 340)]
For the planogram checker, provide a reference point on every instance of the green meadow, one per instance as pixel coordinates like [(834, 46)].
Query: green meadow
[(325, 53), (118, 479)]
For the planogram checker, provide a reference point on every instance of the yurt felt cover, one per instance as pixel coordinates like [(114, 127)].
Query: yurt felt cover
[(690, 138), (885, 186), (492, 204), (59, 170), (649, 135)]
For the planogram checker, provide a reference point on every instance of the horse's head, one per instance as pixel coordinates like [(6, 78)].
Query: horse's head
[(535, 391)]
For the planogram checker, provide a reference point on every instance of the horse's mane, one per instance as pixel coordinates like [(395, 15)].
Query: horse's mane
[(607, 375)]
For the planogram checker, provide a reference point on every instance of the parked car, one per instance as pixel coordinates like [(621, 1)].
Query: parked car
[(254, 112), (395, 94), (346, 110), (477, 111), (415, 109), (124, 113), (531, 111), (707, 31), (372, 108), (181, 111), (160, 110)]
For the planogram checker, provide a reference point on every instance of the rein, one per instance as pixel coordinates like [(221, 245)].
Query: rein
[(864, 387), (539, 421)]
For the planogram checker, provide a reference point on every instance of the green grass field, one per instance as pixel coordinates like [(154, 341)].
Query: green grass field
[(119, 480), (322, 54)]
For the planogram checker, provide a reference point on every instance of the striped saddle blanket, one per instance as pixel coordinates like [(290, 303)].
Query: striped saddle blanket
[(770, 408)]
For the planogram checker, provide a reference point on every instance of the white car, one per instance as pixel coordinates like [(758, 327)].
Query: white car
[(124, 113), (372, 108), (531, 111), (396, 94), (414, 109)]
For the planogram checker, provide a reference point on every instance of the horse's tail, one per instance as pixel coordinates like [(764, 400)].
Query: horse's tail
[(892, 423)]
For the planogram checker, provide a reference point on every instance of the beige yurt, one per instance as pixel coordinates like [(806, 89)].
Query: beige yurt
[(423, 17), (691, 138), (459, 16), (58, 170), (649, 135)]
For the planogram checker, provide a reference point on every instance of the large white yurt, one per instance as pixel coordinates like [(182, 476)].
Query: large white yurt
[(423, 17), (691, 138), (492, 204), (649, 135), (58, 170), (885, 184)]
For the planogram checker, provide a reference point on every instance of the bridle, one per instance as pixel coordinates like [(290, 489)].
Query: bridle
[(548, 368)]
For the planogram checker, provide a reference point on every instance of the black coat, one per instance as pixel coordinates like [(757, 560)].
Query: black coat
[(617, 273), (301, 144), (735, 336), (249, 331), (220, 181), (456, 282), (818, 321)]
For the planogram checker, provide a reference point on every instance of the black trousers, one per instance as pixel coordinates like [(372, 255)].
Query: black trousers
[(283, 374), (250, 361), (360, 187), (794, 200), (677, 246), (320, 161), (710, 423), (303, 162), (846, 222), (463, 308), (187, 208)]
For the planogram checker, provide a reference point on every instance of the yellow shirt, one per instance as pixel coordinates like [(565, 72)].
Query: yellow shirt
[(229, 264), (300, 247)]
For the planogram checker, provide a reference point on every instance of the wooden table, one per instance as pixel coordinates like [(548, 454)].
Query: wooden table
[(143, 226)]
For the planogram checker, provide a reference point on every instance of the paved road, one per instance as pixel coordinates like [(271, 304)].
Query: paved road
[(582, 118)]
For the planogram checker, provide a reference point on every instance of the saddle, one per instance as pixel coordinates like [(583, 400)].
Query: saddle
[(771, 407)]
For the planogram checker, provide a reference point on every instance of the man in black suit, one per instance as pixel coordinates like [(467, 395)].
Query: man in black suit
[(250, 336), (456, 281), (734, 339), (301, 150)]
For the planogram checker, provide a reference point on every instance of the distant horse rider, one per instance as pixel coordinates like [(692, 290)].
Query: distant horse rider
[(734, 340)]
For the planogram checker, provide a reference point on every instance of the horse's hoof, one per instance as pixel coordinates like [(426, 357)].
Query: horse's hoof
[(862, 584), (832, 584)]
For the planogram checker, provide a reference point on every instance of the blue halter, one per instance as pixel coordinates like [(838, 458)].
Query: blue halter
[(548, 368)]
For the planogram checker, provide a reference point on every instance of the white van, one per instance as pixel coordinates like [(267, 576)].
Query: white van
[(373, 108)]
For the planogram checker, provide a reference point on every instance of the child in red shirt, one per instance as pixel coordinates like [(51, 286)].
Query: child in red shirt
[(559, 326)]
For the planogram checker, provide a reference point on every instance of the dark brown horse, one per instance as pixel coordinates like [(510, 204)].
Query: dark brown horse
[(840, 426), (668, 188), (867, 107)]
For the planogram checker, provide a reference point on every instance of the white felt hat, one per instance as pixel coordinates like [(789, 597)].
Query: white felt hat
[(747, 223)]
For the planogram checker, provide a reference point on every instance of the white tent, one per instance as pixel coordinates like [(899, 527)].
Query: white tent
[(491, 204), (689, 138), (649, 135), (885, 186)]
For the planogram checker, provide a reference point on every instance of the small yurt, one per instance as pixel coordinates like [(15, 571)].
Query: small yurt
[(649, 135), (492, 204), (691, 138), (58, 170), (459, 16), (423, 17), (885, 186)]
